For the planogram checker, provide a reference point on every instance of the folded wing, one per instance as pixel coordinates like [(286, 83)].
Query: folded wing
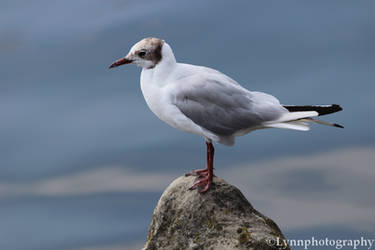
[(222, 107)]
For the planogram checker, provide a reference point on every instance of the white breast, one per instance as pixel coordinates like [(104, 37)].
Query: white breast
[(152, 93)]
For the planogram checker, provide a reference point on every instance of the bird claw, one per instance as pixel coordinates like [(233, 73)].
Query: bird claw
[(202, 184), (203, 180)]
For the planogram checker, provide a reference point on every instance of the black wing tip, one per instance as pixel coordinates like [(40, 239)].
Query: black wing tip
[(338, 125), (321, 109), (336, 107)]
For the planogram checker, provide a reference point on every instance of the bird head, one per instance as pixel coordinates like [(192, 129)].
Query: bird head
[(146, 53)]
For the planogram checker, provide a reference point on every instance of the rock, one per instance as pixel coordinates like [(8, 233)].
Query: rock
[(221, 218)]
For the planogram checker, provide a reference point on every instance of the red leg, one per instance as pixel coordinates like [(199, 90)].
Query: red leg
[(204, 176)]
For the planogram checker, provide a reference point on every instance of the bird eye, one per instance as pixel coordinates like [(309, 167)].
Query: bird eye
[(141, 53)]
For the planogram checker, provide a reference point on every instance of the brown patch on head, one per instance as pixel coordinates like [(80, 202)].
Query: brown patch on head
[(149, 49)]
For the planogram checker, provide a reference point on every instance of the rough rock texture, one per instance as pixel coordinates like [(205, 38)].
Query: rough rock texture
[(221, 218)]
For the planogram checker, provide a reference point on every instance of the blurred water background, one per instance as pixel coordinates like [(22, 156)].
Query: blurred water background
[(83, 161)]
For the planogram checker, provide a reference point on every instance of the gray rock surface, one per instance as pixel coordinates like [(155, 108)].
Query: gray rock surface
[(221, 218)]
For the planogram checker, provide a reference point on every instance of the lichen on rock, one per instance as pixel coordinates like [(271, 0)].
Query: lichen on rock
[(221, 218)]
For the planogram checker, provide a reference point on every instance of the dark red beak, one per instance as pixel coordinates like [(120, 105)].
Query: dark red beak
[(120, 62)]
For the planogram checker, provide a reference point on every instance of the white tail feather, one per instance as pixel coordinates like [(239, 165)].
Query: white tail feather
[(298, 121), (289, 125), (292, 120), (293, 116)]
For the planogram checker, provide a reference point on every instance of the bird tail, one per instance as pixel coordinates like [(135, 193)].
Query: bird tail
[(298, 117)]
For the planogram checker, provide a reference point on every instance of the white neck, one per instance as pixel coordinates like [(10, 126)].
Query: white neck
[(167, 55)]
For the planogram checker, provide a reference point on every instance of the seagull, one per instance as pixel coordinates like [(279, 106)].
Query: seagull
[(206, 102)]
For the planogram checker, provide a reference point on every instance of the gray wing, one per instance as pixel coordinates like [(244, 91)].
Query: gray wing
[(220, 106)]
